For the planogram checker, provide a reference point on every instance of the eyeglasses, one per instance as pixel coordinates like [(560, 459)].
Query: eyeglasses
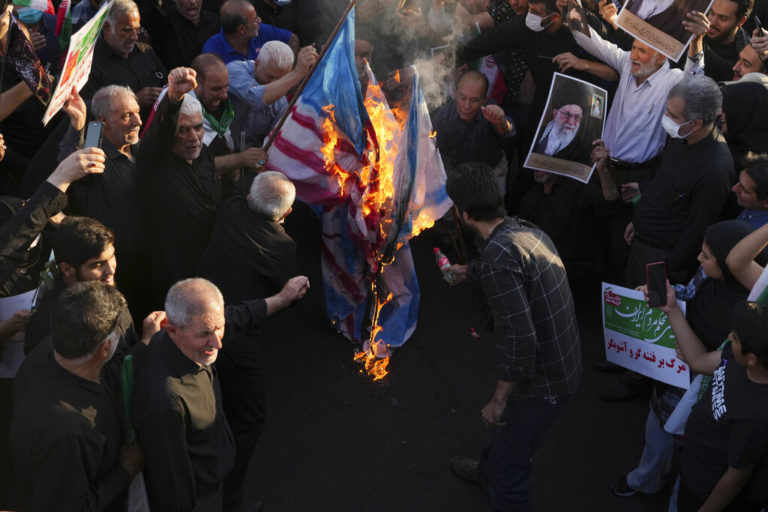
[(566, 115)]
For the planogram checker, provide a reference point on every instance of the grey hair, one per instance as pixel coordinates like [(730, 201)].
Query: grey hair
[(119, 8), (103, 101), (272, 194), (278, 52), (190, 106), (702, 97), (188, 298)]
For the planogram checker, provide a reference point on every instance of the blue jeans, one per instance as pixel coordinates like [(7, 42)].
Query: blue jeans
[(507, 461)]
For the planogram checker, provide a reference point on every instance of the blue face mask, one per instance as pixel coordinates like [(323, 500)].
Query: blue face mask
[(281, 3), (29, 16)]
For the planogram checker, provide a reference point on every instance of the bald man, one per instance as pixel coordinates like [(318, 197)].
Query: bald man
[(242, 34)]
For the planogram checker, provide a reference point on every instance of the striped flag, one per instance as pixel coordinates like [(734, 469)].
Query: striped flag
[(333, 148), (40, 5)]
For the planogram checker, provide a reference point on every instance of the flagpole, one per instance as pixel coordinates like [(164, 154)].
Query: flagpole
[(304, 82)]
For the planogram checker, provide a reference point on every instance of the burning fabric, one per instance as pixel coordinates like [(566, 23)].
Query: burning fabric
[(379, 180)]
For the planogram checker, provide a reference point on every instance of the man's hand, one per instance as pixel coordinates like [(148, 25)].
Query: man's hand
[(629, 191), (75, 109), (697, 24), (75, 166), (306, 59), (459, 274), (151, 326), (759, 42), (629, 233), (293, 290), (671, 299), (2, 147), (495, 115), (609, 12), (253, 157), (148, 96), (132, 459), (600, 154), (38, 40), (568, 60), (492, 413), (180, 82), (15, 324)]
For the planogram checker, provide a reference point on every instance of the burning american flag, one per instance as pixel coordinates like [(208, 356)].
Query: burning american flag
[(378, 178)]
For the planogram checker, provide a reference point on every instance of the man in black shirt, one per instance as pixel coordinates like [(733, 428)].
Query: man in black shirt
[(177, 408), (67, 434), (250, 256), (178, 184), (119, 58), (113, 197), (537, 333), (179, 29), (724, 37), (689, 190)]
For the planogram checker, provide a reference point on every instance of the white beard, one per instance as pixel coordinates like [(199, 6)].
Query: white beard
[(558, 139)]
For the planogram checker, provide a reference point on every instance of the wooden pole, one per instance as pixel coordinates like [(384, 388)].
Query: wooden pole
[(304, 82)]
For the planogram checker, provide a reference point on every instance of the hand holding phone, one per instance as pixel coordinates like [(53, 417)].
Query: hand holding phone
[(93, 134)]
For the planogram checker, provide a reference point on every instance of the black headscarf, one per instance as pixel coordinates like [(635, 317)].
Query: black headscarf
[(709, 311), (745, 105)]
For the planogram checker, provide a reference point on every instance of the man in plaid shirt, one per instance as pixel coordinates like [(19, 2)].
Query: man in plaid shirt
[(537, 336)]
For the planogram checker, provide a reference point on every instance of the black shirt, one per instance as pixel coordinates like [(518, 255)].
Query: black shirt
[(179, 420), (66, 438), (727, 427), (175, 38), (719, 58), (179, 199), (20, 265), (141, 69), (686, 195), (568, 214)]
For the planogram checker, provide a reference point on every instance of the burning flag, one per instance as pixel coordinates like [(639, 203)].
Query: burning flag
[(379, 181)]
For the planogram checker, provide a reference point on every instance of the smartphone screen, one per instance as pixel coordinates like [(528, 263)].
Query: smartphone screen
[(656, 276), (93, 134)]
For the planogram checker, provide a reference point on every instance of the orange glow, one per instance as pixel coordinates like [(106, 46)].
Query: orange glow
[(432, 134), (396, 78)]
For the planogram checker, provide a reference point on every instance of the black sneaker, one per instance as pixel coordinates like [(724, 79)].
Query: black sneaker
[(468, 469), (621, 488)]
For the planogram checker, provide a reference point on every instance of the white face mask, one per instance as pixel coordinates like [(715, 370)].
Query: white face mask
[(672, 128), (533, 22)]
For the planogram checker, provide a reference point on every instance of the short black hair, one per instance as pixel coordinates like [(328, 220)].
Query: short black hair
[(473, 190), (79, 239), (83, 316), (549, 5), (744, 8), (230, 22), (759, 174), (750, 323)]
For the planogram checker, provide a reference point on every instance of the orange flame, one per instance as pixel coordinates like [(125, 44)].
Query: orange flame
[(432, 134), (396, 77)]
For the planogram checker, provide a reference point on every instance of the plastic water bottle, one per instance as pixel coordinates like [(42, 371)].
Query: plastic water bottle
[(444, 265)]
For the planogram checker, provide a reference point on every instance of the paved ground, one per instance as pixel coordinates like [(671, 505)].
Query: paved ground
[(336, 441)]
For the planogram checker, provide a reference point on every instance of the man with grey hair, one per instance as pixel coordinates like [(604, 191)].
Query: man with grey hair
[(258, 87), (113, 197), (685, 197), (178, 411), (179, 186), (67, 418), (119, 58), (250, 256)]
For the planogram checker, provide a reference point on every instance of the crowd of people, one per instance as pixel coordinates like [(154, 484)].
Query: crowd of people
[(177, 221)]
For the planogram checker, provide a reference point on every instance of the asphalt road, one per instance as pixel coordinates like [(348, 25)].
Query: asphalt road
[(336, 441)]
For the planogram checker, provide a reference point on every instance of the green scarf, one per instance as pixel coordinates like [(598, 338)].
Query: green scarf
[(226, 119)]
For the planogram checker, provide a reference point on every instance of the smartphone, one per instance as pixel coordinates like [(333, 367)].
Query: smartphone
[(758, 26), (656, 278), (93, 134)]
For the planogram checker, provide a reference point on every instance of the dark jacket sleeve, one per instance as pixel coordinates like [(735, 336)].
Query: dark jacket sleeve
[(20, 230), (244, 316)]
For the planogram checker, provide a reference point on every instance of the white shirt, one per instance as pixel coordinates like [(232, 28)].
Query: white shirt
[(633, 131)]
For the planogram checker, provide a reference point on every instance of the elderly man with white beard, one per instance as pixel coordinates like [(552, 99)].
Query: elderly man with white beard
[(563, 137), (179, 186)]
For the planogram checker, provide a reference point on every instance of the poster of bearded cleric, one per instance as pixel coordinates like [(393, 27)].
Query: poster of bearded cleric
[(573, 118), (659, 23)]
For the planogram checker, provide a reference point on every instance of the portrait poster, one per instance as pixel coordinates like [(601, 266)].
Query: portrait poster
[(659, 23), (77, 65), (640, 338), (572, 120)]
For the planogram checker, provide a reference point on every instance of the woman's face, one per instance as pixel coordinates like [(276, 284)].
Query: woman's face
[(709, 263)]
